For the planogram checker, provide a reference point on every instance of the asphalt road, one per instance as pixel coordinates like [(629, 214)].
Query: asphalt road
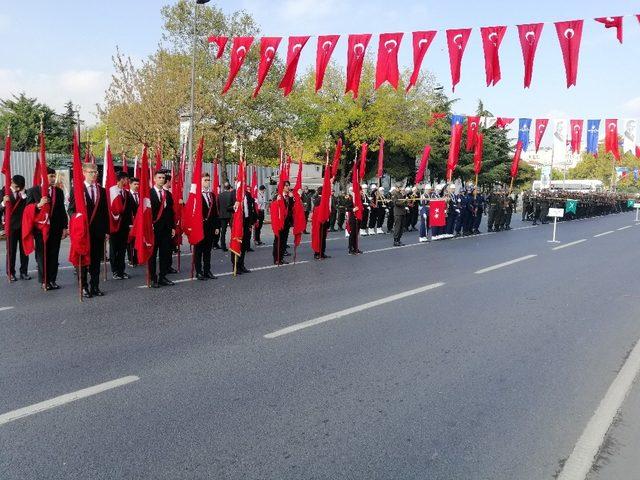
[(461, 375)]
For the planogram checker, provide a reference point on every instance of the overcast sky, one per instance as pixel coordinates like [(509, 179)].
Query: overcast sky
[(57, 50)]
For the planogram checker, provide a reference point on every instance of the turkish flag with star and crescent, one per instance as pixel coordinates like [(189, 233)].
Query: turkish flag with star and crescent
[(326, 46), (529, 37), (576, 135), (421, 43), (387, 66), (457, 42), (268, 47), (355, 58), (239, 51), (569, 35), (541, 127), (296, 44), (491, 40)]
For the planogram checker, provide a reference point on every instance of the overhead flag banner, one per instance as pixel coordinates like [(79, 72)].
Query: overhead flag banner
[(421, 43), (569, 36), (219, 42), (268, 48), (576, 135), (612, 22), (239, 51), (457, 42), (560, 140), (472, 132), (326, 46), (541, 127), (593, 128), (503, 122), (529, 37), (491, 40), (355, 59), (387, 65), (611, 138), (523, 132), (296, 44), (629, 135)]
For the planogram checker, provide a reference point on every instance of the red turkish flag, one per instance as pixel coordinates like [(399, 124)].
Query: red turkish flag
[(296, 44), (437, 209), (357, 197), (336, 158), (457, 42), (381, 158), (239, 51), (541, 127), (6, 171), (355, 58), (576, 135), (472, 131), (611, 143), (220, 42), (421, 43), (529, 37), (268, 47), (434, 117), (363, 160), (637, 151), (477, 154), (491, 40), (387, 66), (143, 223), (454, 149), (569, 35), (115, 201), (192, 219), (237, 233), (79, 252), (326, 45), (424, 161), (322, 212), (612, 22), (516, 160), (502, 122)]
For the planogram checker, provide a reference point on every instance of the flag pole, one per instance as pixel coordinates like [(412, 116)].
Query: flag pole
[(235, 264), (79, 277), (104, 245), (7, 231), (42, 194), (511, 186), (475, 190), (193, 263)]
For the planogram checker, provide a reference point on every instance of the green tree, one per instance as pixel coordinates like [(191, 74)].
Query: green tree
[(23, 114)]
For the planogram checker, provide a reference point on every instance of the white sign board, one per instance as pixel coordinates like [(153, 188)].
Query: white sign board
[(636, 205), (556, 212)]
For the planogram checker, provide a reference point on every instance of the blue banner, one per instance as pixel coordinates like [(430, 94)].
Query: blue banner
[(523, 132), (593, 126), (457, 119)]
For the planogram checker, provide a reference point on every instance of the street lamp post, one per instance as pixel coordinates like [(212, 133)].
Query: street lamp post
[(193, 72)]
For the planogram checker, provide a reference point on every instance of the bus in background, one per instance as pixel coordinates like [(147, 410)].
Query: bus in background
[(582, 186)]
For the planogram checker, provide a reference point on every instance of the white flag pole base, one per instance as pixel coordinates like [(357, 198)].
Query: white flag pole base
[(555, 224)]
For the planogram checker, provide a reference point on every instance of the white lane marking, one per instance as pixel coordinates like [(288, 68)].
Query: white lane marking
[(391, 248), (570, 244), (62, 399), (349, 311), (2, 309), (603, 234), (226, 274), (505, 264), (624, 228), (578, 466)]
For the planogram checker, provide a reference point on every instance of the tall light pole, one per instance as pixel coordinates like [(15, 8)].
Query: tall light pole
[(193, 73)]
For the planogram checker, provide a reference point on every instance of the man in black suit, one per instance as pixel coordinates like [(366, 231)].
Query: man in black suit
[(226, 200), (95, 198), (210, 223), (121, 221), (58, 229), (249, 220), (17, 200), (134, 186), (163, 230)]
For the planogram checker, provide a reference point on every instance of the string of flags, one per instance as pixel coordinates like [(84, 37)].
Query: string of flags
[(569, 35)]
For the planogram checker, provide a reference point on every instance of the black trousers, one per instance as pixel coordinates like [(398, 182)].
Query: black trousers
[(53, 251), (117, 251), (280, 243), (224, 224), (202, 254), (132, 255), (341, 216), (15, 245), (257, 230), (373, 218), (324, 230), (354, 230), (97, 254), (161, 254), (332, 219), (398, 227), (390, 220), (380, 217)]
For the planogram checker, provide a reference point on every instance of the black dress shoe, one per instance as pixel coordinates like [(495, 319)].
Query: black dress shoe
[(54, 286), (86, 293), (96, 292), (165, 282), (216, 247), (286, 254), (154, 284), (245, 270), (316, 256), (117, 276), (125, 276), (210, 275), (25, 276), (199, 276), (325, 256), (259, 243), (250, 249), (12, 278), (46, 286), (359, 252), (172, 270), (225, 249)]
